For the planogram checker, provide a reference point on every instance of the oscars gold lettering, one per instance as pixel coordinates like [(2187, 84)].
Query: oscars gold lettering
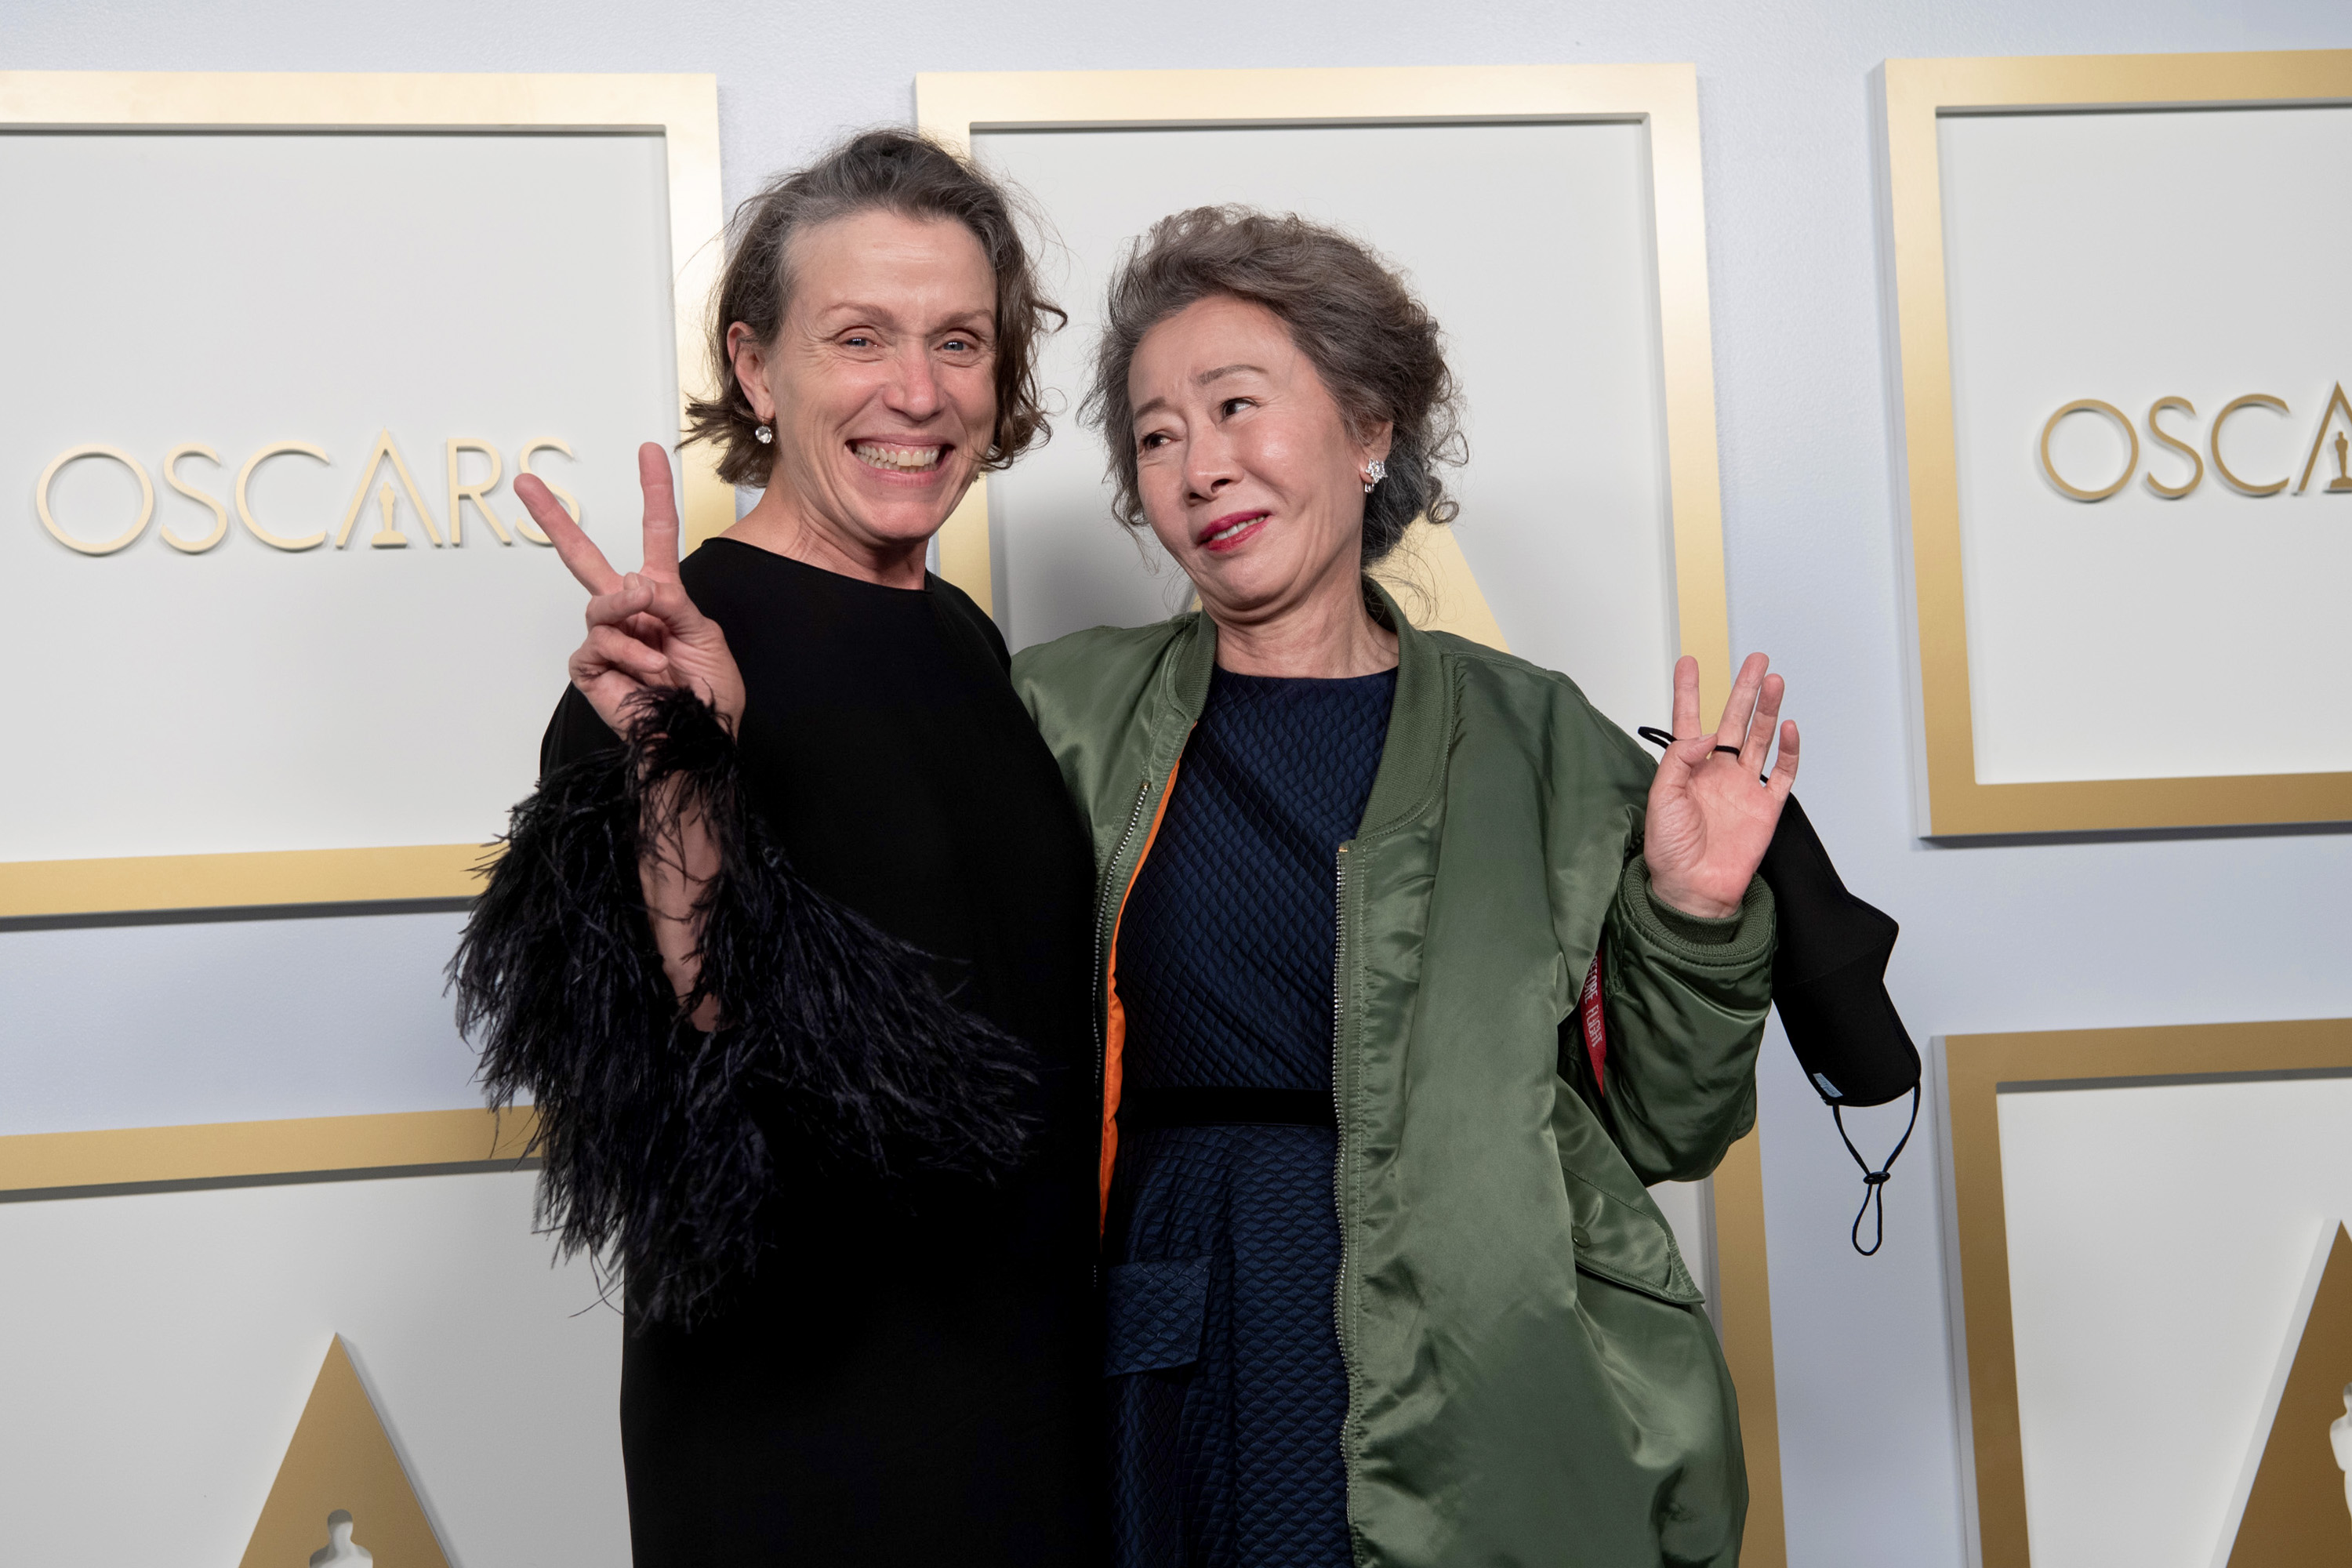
[(171, 477), (2197, 464), (386, 450), (387, 498), (2090, 405), (245, 499), (73, 454), (2252, 400), (478, 492), (2342, 482), (2332, 435), (523, 525)]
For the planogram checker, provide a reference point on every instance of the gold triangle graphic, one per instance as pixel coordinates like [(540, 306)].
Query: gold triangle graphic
[(2295, 1510), (342, 1460), (1434, 587)]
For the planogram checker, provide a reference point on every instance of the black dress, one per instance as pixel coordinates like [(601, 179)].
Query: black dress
[(912, 1375), (1226, 1387)]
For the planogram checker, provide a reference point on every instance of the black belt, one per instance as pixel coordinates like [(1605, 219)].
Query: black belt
[(1213, 1106)]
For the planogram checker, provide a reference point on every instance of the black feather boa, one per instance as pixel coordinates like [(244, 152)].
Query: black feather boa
[(840, 1032)]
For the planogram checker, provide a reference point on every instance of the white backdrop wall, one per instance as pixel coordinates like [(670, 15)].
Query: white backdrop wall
[(114, 1026)]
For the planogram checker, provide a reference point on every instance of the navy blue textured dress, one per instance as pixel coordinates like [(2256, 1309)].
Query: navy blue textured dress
[(1226, 1388)]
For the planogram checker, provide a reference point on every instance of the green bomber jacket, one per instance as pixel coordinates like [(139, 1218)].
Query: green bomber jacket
[(1532, 1379)]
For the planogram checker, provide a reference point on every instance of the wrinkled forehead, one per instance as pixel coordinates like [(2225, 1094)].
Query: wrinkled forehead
[(926, 270)]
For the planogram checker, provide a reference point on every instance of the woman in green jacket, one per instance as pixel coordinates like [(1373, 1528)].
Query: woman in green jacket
[(1384, 1282)]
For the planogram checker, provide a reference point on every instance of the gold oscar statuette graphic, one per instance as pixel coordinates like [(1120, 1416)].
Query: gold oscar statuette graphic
[(2295, 1510), (342, 1496), (386, 451), (389, 536), (2342, 483)]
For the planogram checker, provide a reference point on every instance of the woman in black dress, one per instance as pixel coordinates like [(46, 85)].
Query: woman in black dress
[(816, 1075)]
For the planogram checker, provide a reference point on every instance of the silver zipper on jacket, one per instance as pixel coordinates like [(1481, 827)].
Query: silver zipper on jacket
[(1339, 1157), (1102, 936)]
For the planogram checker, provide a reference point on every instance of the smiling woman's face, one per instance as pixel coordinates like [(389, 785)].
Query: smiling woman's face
[(1249, 474), (881, 384)]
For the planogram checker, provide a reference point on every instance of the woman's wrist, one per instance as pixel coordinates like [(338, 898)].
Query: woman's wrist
[(1687, 903)]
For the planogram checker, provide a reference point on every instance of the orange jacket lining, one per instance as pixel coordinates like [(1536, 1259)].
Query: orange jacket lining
[(1115, 1020)]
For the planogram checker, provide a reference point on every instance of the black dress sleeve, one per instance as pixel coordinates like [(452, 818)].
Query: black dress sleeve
[(837, 1031), (574, 731)]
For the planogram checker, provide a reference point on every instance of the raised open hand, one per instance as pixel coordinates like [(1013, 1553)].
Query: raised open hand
[(1709, 819), (643, 629)]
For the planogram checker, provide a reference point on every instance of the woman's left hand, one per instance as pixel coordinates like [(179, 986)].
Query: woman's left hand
[(1709, 819)]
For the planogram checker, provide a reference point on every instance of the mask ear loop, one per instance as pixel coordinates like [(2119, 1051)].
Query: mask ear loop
[(1873, 1183)]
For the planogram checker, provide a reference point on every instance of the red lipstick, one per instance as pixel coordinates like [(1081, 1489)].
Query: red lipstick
[(1215, 538)]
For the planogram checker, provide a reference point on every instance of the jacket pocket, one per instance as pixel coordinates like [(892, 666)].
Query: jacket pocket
[(1152, 1314), (1618, 1232)]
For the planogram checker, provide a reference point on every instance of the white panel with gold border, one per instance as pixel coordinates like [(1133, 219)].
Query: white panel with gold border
[(2138, 1220), (174, 1289), (2116, 282), (279, 345)]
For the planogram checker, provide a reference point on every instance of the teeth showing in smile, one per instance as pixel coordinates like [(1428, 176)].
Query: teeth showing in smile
[(902, 459), (1229, 533)]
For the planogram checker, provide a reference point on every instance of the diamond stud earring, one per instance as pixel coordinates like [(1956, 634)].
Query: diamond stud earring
[(1373, 474), (765, 435)]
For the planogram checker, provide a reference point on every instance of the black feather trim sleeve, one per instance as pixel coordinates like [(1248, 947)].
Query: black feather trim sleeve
[(840, 1033)]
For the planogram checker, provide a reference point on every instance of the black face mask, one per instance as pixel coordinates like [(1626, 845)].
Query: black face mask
[(1829, 981)]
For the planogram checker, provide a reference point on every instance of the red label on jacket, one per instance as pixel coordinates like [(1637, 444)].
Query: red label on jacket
[(1596, 1027)]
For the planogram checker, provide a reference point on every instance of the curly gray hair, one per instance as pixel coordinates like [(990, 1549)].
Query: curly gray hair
[(1377, 347)]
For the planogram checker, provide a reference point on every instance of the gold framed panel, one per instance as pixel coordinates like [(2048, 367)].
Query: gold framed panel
[(1977, 1067), (1916, 94), (339, 1456), (324, 1148), (952, 105), (683, 109)]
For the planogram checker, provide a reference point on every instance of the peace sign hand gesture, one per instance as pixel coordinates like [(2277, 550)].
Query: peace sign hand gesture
[(1709, 820), (644, 632)]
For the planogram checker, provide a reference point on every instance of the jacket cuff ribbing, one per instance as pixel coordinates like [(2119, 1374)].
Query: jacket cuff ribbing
[(1708, 930), (1733, 942)]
